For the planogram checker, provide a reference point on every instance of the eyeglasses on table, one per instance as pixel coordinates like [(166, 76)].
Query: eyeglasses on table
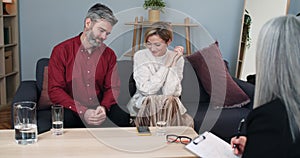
[(172, 138)]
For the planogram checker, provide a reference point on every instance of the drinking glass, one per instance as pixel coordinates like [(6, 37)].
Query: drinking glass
[(57, 119), (25, 123), (161, 122)]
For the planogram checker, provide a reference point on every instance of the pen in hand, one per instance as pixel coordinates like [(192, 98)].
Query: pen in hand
[(239, 132)]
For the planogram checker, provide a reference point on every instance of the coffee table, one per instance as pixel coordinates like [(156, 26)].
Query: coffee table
[(97, 142)]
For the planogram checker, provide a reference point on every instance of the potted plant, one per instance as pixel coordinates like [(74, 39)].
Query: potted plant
[(154, 8)]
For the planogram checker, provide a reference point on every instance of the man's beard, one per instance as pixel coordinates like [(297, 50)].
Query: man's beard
[(93, 40)]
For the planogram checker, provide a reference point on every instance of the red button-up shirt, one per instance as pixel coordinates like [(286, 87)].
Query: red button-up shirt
[(79, 80)]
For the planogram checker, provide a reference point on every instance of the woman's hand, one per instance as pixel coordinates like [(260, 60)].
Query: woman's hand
[(179, 52), (179, 49), (173, 58), (238, 144)]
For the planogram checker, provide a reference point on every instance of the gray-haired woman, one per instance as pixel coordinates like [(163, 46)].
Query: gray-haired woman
[(273, 127)]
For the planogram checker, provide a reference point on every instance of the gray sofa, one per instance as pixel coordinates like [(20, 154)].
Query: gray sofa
[(222, 122), (193, 97)]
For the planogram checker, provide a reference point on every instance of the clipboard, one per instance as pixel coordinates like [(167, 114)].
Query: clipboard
[(208, 145)]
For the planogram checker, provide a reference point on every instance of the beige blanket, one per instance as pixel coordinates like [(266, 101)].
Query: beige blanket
[(160, 107)]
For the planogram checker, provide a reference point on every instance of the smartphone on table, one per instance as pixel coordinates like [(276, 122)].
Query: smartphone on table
[(143, 130)]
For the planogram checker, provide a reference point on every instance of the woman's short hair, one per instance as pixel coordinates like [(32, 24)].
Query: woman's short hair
[(162, 29)]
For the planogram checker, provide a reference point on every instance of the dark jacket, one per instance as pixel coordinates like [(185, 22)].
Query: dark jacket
[(268, 133)]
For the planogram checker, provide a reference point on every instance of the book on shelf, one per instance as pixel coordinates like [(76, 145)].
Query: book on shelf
[(7, 35)]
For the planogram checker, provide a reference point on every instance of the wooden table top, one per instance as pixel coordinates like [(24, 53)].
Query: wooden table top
[(100, 142)]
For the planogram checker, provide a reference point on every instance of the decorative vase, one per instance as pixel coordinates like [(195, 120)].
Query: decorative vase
[(153, 15)]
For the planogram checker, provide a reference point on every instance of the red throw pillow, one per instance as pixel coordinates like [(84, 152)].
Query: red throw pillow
[(215, 78), (44, 101)]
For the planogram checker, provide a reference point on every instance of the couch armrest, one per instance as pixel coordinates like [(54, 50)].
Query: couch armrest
[(27, 91), (248, 88)]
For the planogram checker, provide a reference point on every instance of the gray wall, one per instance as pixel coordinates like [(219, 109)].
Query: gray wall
[(294, 7), (45, 23)]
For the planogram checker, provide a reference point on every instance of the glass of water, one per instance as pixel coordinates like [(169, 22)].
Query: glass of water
[(25, 123), (57, 119), (161, 122)]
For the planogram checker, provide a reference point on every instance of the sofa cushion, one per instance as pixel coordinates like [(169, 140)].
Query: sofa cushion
[(215, 78), (248, 88), (192, 89), (125, 68), (191, 93), (40, 73), (44, 100)]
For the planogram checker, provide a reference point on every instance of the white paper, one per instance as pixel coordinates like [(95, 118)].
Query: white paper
[(211, 146)]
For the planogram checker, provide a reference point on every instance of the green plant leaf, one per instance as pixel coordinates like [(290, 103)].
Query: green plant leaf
[(154, 4)]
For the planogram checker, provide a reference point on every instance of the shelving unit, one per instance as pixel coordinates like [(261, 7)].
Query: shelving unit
[(139, 24), (244, 43), (9, 52), (240, 59)]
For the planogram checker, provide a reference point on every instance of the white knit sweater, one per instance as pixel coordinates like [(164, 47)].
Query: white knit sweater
[(152, 77)]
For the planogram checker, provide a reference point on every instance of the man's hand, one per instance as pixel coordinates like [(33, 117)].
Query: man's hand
[(95, 117)]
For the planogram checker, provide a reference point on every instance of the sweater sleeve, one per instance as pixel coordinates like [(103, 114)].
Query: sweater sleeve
[(148, 81), (172, 86)]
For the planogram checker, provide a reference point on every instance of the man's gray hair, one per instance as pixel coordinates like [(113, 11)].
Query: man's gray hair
[(100, 11)]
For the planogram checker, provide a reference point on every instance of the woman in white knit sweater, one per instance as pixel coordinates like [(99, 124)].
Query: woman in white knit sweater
[(158, 72)]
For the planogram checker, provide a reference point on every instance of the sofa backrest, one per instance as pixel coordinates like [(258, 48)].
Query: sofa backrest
[(41, 63), (125, 69), (190, 95)]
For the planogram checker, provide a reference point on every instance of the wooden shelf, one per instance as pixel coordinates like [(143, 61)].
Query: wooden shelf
[(9, 53), (147, 23), (139, 24), (241, 56), (11, 15)]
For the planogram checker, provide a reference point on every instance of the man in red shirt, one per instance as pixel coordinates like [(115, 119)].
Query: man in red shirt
[(83, 74)]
